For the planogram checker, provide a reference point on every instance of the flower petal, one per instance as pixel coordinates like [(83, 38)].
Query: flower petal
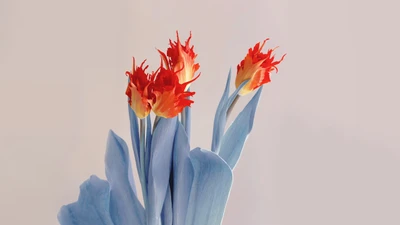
[(210, 190), (138, 89), (125, 207), (182, 59), (134, 135), (92, 206), (236, 135), (182, 175), (160, 167)]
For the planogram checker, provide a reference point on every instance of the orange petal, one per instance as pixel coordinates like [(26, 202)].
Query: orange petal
[(170, 95), (182, 59), (256, 67), (169, 103), (137, 91), (139, 104)]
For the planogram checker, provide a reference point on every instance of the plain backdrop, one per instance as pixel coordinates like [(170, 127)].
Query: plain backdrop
[(325, 148)]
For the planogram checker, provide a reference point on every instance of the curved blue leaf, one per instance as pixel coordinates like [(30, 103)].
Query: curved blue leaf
[(134, 135), (236, 135), (182, 175), (210, 190), (125, 208), (160, 167), (92, 206), (220, 116), (166, 213)]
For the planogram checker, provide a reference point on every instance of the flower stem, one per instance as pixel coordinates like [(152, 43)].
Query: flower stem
[(228, 112), (183, 118), (235, 100), (156, 120), (142, 137)]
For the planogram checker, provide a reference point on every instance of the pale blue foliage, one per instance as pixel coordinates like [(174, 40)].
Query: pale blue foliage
[(221, 114), (134, 126), (236, 135), (167, 211), (181, 186), (160, 167), (210, 189), (125, 207), (92, 206), (182, 175)]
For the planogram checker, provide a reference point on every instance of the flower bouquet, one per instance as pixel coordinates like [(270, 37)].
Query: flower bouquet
[(180, 185)]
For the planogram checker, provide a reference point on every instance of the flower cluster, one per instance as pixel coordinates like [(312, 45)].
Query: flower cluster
[(180, 185), (165, 90)]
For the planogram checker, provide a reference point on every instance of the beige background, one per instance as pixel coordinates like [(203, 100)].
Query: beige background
[(325, 147)]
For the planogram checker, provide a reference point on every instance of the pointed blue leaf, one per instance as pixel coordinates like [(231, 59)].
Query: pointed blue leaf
[(125, 207), (210, 190), (160, 167), (148, 146), (221, 114), (236, 135), (134, 136), (92, 206), (219, 121), (182, 175), (166, 213)]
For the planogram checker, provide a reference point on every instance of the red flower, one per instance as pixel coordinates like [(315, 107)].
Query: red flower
[(139, 90), (170, 95), (181, 59), (256, 68), (164, 91)]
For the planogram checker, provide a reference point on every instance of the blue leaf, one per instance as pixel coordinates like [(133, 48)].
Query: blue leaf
[(148, 146), (125, 208), (182, 175), (160, 167), (236, 135), (166, 213), (220, 116), (134, 136), (210, 190), (92, 206)]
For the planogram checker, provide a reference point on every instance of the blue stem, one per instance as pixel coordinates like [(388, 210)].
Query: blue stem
[(186, 119), (183, 119), (142, 138)]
